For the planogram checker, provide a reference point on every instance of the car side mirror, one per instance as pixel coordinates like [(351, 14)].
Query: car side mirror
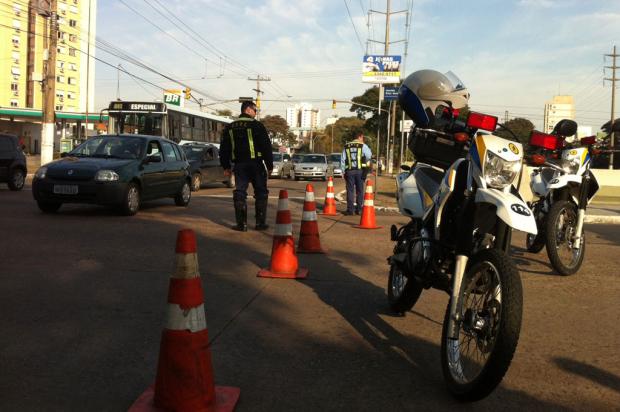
[(406, 168), (64, 154)]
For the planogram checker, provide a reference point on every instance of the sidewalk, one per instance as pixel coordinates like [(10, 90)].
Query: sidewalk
[(604, 210)]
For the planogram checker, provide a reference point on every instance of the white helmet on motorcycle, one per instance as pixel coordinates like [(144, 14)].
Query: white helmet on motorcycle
[(424, 90)]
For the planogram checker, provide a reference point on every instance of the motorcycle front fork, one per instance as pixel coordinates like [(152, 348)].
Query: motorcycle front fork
[(456, 296), (581, 212)]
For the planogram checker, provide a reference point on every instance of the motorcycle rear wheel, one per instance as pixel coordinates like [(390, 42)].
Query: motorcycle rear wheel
[(560, 230), (475, 363), (403, 292)]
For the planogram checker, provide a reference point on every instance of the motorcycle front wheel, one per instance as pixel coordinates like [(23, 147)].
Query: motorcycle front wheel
[(534, 243), (488, 329), (561, 225), (402, 291)]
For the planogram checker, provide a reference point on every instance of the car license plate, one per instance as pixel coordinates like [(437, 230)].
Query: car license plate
[(65, 189)]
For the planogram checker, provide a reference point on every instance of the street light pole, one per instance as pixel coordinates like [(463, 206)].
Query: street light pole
[(49, 90)]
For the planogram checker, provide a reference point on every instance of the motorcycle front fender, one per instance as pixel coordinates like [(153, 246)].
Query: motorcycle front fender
[(563, 181), (512, 210)]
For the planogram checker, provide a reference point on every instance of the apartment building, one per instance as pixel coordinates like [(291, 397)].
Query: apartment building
[(24, 26), (560, 107)]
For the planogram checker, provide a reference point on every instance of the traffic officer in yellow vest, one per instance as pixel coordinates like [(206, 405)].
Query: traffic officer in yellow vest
[(246, 145), (355, 158)]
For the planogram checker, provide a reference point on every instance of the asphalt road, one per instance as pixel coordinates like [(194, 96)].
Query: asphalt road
[(84, 296)]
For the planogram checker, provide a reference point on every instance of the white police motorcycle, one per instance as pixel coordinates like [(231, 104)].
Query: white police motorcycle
[(462, 206), (563, 188)]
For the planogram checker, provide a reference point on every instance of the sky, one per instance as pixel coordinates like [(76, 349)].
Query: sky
[(513, 55)]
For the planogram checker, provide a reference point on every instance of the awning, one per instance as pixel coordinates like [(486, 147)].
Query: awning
[(18, 112)]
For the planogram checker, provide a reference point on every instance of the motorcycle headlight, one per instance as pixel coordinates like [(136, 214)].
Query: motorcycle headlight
[(41, 172), (106, 176), (571, 166), (499, 173)]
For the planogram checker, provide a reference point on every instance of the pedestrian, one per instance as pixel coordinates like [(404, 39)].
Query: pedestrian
[(354, 159), (246, 149)]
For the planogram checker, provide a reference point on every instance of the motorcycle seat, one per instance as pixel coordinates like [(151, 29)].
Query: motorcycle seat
[(429, 180)]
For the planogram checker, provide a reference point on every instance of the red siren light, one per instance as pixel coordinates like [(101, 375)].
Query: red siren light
[(544, 140), (481, 121)]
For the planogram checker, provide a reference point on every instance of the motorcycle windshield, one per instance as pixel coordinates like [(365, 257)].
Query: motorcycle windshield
[(457, 84)]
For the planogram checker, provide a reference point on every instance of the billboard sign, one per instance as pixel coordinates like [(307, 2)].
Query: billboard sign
[(390, 93), (381, 69), (174, 98)]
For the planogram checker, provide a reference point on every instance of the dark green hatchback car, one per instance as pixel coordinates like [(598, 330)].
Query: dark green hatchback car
[(115, 170)]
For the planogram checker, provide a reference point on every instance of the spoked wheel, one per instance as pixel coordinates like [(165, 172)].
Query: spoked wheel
[(534, 243), (561, 226), (184, 195), (488, 331), (131, 203), (403, 292), (17, 179)]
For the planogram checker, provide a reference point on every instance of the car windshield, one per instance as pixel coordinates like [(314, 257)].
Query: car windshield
[(313, 159), (277, 157), (334, 157), (121, 147)]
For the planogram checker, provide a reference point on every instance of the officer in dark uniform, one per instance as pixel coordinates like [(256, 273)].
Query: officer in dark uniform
[(354, 161), (245, 143)]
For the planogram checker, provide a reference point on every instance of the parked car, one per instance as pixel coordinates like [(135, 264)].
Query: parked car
[(115, 170), (13, 168), (281, 165), (310, 166), (335, 169), (204, 165)]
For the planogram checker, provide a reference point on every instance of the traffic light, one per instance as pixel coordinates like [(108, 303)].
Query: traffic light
[(333, 104), (258, 102), (188, 93)]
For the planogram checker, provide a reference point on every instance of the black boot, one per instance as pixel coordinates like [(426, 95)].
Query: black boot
[(261, 214), (241, 216)]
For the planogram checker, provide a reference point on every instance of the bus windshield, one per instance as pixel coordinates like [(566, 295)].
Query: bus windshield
[(137, 123)]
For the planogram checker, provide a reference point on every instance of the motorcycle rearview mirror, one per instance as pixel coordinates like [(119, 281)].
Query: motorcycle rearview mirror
[(406, 168)]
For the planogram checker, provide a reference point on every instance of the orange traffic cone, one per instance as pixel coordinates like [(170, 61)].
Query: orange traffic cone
[(329, 209), (284, 262), (309, 241), (184, 372), (367, 220)]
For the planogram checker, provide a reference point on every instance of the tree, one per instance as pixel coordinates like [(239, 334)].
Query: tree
[(343, 131), (520, 126), (277, 128), (224, 112)]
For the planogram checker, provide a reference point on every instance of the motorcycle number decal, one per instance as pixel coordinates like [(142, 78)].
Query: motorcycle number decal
[(554, 181), (572, 152), (514, 149), (520, 209)]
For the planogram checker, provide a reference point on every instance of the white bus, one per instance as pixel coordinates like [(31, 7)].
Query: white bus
[(159, 119)]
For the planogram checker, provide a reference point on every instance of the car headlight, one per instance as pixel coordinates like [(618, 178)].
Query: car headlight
[(499, 173), (571, 166), (41, 172), (275, 168), (106, 176)]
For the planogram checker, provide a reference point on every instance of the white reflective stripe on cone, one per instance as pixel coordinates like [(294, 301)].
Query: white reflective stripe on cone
[(283, 229), (368, 189), (369, 202), (309, 196), (282, 204), (308, 215), (193, 319), (186, 265), (330, 195)]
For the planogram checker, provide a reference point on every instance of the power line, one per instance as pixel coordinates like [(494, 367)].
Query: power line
[(353, 24)]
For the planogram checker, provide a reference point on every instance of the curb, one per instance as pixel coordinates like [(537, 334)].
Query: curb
[(595, 219)]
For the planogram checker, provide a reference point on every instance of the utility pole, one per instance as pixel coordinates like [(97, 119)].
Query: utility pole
[(49, 89), (389, 154), (613, 79), (258, 91)]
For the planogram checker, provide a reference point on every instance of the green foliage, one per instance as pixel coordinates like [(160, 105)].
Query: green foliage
[(343, 131), (520, 126), (278, 130)]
